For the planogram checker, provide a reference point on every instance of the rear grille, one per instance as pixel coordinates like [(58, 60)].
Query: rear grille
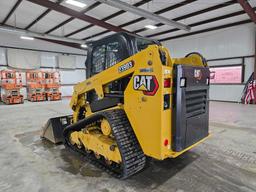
[(195, 102)]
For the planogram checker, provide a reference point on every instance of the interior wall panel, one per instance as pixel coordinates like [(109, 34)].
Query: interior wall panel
[(231, 42), (23, 59), (48, 60), (221, 93), (3, 60), (68, 62), (249, 68), (80, 61), (72, 77), (66, 91), (225, 62)]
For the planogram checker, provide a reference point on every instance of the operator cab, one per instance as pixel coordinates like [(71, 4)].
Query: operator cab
[(107, 52), (112, 49)]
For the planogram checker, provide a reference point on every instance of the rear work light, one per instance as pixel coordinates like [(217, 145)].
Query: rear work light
[(183, 82), (207, 81)]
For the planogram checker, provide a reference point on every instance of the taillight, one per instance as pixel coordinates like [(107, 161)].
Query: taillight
[(167, 83), (166, 142)]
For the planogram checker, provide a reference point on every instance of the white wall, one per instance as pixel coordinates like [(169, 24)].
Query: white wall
[(231, 42), (72, 68)]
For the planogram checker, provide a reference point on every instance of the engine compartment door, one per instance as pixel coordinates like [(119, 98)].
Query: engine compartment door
[(191, 106)]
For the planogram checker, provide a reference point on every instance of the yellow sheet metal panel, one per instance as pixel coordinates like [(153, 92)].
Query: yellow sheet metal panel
[(145, 111), (95, 141), (143, 97)]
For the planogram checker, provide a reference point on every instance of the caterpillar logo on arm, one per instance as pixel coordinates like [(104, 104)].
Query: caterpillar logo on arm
[(146, 83)]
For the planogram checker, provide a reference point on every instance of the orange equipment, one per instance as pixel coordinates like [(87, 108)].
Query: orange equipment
[(35, 86), (11, 83), (52, 85)]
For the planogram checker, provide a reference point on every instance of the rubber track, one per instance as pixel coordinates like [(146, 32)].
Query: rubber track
[(133, 158)]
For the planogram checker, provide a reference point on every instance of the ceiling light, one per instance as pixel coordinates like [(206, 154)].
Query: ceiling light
[(27, 38), (75, 3), (151, 26), (84, 46)]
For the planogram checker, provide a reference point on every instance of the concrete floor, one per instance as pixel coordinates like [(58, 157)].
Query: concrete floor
[(225, 162)]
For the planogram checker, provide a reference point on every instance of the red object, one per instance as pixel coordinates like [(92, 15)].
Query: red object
[(251, 93), (166, 142), (155, 85), (167, 83)]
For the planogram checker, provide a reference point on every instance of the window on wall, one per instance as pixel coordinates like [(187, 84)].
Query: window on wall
[(226, 74)]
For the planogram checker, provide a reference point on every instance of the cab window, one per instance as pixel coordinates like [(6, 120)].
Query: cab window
[(98, 59), (143, 43), (113, 54), (105, 56)]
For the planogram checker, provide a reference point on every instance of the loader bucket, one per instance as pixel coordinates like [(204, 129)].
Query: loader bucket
[(53, 129)]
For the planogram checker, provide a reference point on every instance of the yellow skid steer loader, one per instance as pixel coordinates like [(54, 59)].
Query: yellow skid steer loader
[(136, 102)]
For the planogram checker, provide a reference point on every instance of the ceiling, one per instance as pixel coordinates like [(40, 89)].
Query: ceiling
[(201, 15)]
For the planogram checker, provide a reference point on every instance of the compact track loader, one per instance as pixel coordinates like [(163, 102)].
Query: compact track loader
[(137, 102)]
